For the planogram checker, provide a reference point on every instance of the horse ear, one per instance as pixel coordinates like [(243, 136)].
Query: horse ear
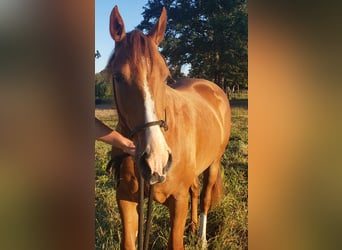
[(158, 31), (117, 26)]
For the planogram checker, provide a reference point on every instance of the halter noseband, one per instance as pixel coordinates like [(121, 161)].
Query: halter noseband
[(161, 123)]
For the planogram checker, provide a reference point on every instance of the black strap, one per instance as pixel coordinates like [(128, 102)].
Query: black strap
[(113, 167), (161, 123)]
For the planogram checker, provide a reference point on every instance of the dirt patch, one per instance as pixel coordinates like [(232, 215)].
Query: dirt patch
[(104, 111)]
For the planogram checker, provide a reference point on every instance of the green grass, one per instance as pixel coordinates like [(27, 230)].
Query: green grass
[(227, 221)]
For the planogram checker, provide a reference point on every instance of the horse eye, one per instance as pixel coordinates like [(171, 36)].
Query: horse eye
[(170, 80), (118, 77)]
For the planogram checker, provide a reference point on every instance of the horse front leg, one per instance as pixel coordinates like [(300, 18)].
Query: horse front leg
[(178, 209), (127, 199), (129, 219)]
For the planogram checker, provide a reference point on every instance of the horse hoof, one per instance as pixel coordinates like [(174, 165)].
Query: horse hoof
[(203, 244)]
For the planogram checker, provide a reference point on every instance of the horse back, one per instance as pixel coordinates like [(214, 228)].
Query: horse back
[(207, 99)]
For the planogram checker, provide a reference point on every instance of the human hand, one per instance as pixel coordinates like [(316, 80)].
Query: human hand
[(128, 147)]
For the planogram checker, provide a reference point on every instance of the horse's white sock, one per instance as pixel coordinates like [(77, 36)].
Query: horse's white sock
[(203, 227)]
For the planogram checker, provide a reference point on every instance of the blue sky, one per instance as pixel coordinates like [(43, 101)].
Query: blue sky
[(130, 11)]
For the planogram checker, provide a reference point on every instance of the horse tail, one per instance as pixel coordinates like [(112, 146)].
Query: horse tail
[(218, 188)]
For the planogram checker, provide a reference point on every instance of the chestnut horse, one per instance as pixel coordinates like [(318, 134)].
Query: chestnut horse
[(180, 132)]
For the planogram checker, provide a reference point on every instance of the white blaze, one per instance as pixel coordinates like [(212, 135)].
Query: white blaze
[(156, 144)]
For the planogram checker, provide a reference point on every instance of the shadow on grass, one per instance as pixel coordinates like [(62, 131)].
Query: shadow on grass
[(239, 103)]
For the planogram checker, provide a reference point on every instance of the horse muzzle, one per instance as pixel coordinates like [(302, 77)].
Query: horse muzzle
[(153, 176)]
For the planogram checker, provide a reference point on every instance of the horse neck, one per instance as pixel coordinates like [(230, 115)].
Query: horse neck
[(172, 99), (169, 95)]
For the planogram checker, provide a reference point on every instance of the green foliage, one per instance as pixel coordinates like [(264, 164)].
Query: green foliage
[(211, 36), (227, 221), (103, 89)]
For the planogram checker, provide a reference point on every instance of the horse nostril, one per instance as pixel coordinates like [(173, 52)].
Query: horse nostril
[(149, 173), (145, 155), (156, 178), (144, 167), (168, 164)]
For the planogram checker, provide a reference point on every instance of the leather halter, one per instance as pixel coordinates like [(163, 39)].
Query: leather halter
[(161, 123)]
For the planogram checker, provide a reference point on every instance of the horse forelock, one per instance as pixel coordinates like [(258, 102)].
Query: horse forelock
[(139, 51), (140, 47), (137, 48)]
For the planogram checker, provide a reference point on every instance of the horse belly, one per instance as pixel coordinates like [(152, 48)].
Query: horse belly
[(208, 150), (212, 128)]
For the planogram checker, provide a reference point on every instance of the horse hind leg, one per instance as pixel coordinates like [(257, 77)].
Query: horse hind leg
[(194, 193), (211, 193)]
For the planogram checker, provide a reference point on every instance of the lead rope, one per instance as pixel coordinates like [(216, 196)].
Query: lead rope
[(149, 218), (142, 244), (143, 240), (141, 213)]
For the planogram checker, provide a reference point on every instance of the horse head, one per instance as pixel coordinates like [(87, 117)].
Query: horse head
[(140, 74)]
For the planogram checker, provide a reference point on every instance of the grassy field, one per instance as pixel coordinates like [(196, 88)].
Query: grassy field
[(227, 222)]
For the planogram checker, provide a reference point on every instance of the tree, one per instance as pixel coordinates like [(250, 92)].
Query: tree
[(210, 35), (103, 88)]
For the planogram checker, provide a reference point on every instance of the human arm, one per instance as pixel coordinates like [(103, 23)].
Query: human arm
[(105, 134)]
